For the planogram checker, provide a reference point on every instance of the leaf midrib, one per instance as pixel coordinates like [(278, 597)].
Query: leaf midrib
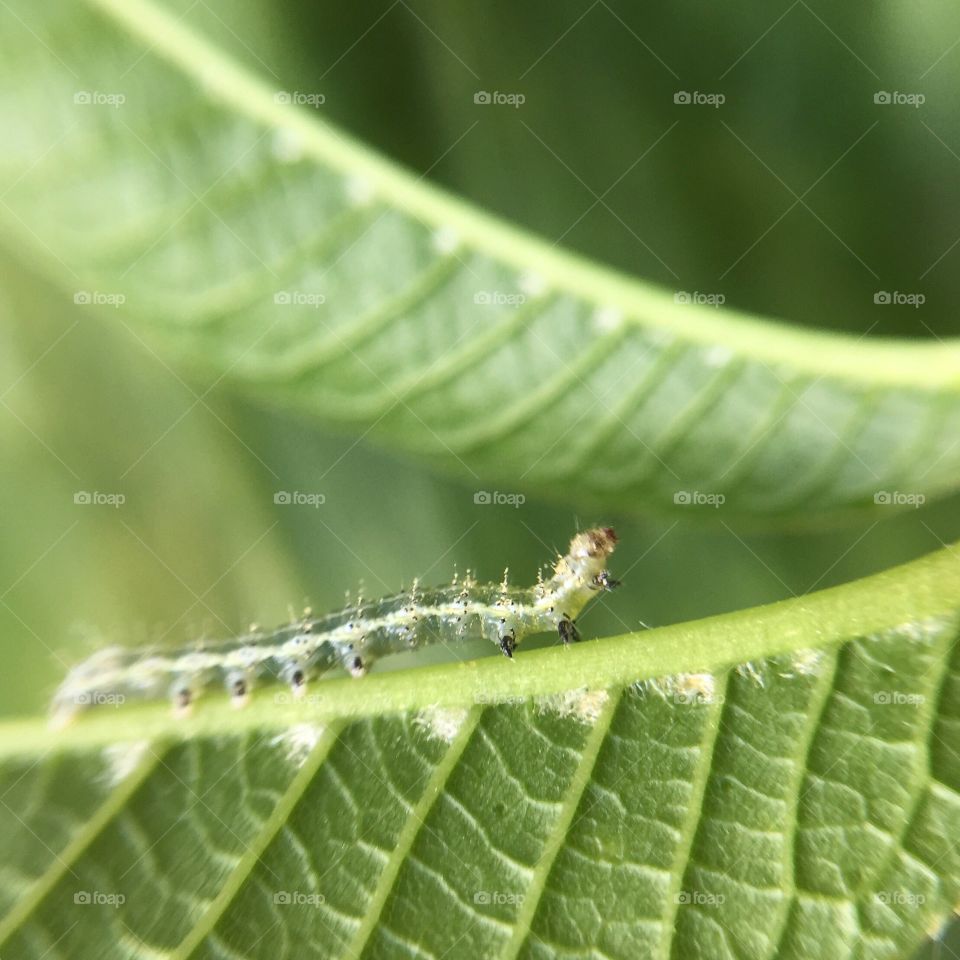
[(928, 588)]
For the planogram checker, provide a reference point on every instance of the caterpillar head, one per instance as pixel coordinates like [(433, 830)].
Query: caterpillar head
[(587, 557)]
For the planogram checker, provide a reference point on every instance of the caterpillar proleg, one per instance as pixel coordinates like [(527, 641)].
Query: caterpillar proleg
[(353, 638)]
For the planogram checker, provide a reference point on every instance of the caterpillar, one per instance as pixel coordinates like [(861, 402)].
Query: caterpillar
[(353, 638)]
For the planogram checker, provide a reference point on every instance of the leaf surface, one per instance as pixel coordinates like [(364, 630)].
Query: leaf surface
[(779, 782)]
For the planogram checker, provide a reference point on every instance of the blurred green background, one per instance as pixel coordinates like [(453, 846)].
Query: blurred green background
[(799, 198)]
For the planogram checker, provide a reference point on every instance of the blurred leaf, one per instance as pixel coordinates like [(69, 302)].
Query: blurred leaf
[(796, 796), (252, 238)]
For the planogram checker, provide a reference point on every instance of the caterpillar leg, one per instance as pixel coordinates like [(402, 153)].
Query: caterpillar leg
[(568, 631), (182, 696), (295, 674), (508, 643), (356, 666), (238, 687), (605, 582)]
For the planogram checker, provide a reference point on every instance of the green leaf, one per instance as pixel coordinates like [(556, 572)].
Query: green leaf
[(777, 782), (222, 216)]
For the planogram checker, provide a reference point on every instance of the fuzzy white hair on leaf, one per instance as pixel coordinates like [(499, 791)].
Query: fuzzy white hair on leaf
[(298, 742), (580, 704), (122, 759), (441, 723)]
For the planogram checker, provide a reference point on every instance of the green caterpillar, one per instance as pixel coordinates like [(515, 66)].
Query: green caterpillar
[(353, 638)]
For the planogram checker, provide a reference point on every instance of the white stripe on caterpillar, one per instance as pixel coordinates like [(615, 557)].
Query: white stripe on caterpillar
[(353, 638)]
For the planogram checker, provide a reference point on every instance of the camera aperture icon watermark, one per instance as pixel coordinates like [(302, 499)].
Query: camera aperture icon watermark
[(498, 298), (499, 98), (900, 897), (499, 699), (698, 498), (284, 697), (898, 698), (899, 498), (896, 298), (299, 298), (497, 897), (298, 498), (99, 98), (97, 898), (699, 898), (97, 698), (697, 98), (699, 298), (300, 98), (297, 898), (96, 498), (99, 298), (897, 98), (499, 499)]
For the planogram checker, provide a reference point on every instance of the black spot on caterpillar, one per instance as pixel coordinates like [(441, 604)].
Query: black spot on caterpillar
[(353, 638)]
